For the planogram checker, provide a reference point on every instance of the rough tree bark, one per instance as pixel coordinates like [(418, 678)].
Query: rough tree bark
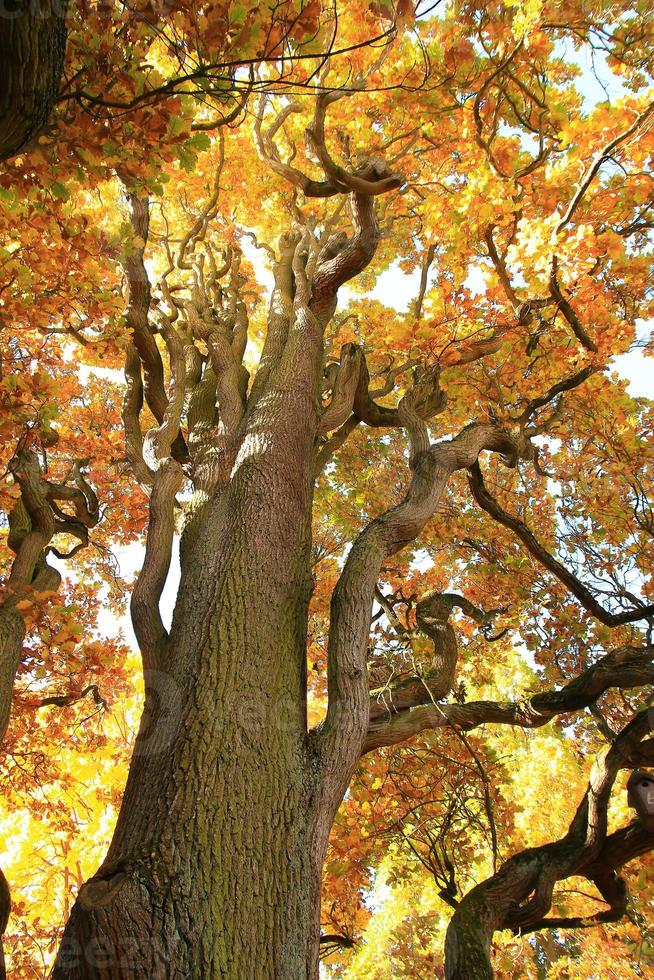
[(519, 895), (32, 48), (212, 871)]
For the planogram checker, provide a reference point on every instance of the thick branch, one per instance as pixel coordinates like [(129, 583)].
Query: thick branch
[(167, 480), (138, 308), (598, 160), (568, 312), (520, 894), (334, 443), (433, 612), (342, 258), (33, 522), (344, 388), (424, 279), (217, 316), (351, 396), (559, 388), (349, 704), (279, 315), (372, 179), (627, 667), (268, 151), (132, 405), (144, 606), (367, 181), (137, 315), (619, 849), (30, 542), (352, 257)]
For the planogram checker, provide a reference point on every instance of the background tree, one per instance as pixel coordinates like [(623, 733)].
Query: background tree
[(327, 631), (32, 49)]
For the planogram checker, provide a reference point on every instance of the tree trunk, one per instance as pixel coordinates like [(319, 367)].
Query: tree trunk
[(32, 48), (215, 866), (12, 633), (214, 870), (5, 909), (468, 946)]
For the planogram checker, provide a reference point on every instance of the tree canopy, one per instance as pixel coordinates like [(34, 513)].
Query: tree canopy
[(439, 217)]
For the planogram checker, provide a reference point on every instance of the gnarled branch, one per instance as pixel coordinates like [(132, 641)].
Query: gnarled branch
[(34, 521), (520, 894), (349, 702), (167, 480), (626, 667), (433, 611), (137, 319)]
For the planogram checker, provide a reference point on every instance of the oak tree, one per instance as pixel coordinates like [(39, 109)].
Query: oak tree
[(411, 636)]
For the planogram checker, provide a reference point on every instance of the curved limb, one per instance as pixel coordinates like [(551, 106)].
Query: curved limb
[(347, 718), (520, 894), (34, 520), (167, 480), (433, 611), (352, 401), (373, 178), (624, 668), (138, 311)]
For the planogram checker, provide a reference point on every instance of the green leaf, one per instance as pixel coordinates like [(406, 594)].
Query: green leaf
[(199, 141), (59, 191)]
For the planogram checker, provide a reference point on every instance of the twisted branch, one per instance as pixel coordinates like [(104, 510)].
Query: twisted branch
[(34, 521), (348, 711), (520, 894), (433, 612), (626, 667)]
